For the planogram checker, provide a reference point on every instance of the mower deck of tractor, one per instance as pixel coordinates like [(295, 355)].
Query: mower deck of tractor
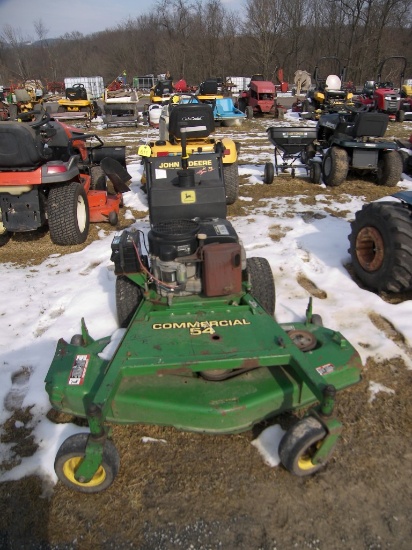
[(155, 375)]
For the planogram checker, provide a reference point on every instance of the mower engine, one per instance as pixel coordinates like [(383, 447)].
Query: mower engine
[(187, 257)]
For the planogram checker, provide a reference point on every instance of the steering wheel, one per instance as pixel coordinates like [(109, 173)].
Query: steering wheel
[(40, 118), (78, 86)]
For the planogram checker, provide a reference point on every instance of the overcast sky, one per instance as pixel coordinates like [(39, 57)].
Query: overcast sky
[(61, 16)]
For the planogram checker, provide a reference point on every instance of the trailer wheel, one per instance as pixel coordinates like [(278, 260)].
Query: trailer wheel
[(299, 444), (381, 246), (69, 457), (335, 166), (315, 172), (249, 112), (68, 214), (268, 173), (98, 179), (128, 297), (231, 177), (390, 168), (260, 276)]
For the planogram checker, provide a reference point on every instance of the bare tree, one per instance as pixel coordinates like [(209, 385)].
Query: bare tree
[(264, 26)]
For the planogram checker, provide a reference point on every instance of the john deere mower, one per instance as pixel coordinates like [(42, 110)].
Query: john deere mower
[(202, 350), (203, 149)]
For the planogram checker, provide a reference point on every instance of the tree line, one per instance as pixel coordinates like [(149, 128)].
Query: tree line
[(196, 40)]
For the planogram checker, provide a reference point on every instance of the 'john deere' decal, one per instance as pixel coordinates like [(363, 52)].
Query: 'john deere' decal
[(188, 197)]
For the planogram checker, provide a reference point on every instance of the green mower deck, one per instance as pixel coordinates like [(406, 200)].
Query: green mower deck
[(154, 376)]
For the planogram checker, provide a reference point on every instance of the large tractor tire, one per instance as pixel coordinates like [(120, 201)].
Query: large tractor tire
[(68, 214), (335, 166), (390, 166), (128, 298), (231, 177), (381, 246), (259, 275)]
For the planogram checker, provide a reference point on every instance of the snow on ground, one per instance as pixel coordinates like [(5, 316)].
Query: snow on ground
[(43, 303)]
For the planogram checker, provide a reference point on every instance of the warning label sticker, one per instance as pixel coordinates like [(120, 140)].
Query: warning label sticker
[(325, 369), (78, 371)]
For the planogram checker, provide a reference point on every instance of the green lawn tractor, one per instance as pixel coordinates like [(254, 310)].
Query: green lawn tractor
[(202, 351)]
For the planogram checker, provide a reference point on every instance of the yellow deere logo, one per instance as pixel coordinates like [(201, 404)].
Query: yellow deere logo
[(188, 197)]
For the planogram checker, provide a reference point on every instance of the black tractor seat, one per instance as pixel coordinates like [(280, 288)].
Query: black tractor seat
[(21, 147), (368, 125)]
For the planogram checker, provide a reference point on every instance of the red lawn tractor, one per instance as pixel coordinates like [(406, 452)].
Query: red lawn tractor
[(53, 175), (385, 97)]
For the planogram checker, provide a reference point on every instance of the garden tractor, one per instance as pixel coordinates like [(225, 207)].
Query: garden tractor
[(386, 98), (381, 244), (353, 142), (53, 175), (202, 351)]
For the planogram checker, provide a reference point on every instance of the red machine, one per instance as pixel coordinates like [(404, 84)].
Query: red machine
[(385, 98), (259, 98), (52, 174)]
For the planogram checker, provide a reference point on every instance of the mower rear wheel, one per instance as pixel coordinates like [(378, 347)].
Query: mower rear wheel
[(128, 297), (381, 246), (70, 456), (268, 173), (390, 166), (335, 166), (68, 214), (249, 112), (299, 444), (260, 277), (231, 177)]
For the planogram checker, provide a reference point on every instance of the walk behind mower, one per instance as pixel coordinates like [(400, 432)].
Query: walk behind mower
[(202, 351), (353, 141), (166, 152), (53, 175)]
